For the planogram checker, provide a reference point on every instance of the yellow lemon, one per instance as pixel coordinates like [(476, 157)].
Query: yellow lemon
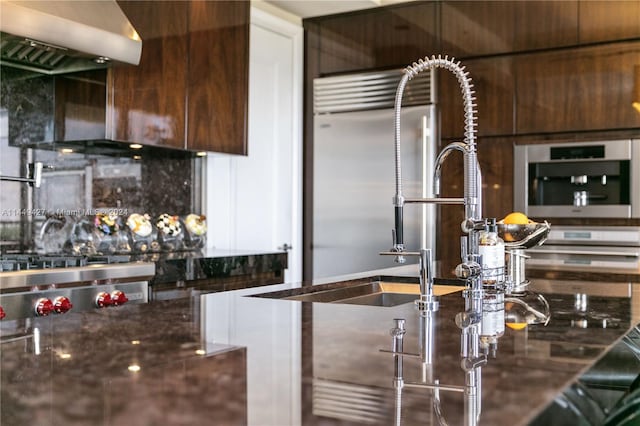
[(516, 325), (515, 218)]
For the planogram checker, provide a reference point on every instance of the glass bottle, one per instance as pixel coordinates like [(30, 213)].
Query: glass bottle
[(491, 248)]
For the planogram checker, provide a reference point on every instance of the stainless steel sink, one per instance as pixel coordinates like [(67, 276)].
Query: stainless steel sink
[(382, 299), (374, 293)]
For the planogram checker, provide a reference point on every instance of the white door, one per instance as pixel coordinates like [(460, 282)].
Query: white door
[(255, 202)]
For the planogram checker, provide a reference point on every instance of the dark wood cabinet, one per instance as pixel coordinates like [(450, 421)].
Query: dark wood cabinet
[(494, 83), (475, 28), (190, 90), (545, 24), (389, 37), (609, 20), (218, 77), (578, 90), (147, 102)]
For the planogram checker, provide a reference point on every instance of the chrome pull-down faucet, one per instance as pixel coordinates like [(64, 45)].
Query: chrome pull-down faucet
[(472, 176), (470, 267)]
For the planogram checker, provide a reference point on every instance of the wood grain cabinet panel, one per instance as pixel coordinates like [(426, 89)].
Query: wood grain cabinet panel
[(609, 20), (494, 85), (347, 43), (382, 38), (147, 102), (406, 34), (474, 28), (79, 107), (190, 90), (582, 89), (218, 77), (545, 24)]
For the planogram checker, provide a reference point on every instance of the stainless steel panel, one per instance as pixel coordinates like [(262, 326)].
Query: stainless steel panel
[(595, 235), (21, 305), (138, 271), (573, 211), (585, 258), (365, 91), (354, 185), (628, 149), (614, 150)]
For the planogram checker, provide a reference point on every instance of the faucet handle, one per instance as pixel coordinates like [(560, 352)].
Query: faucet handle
[(396, 250), (469, 225)]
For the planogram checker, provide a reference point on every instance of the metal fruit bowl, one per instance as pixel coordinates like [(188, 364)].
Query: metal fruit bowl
[(524, 236)]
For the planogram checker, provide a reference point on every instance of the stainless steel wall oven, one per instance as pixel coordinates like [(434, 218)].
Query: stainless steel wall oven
[(587, 180)]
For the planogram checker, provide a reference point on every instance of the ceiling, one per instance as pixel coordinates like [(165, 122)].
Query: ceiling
[(311, 8)]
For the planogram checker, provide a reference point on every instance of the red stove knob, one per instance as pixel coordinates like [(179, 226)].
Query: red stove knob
[(43, 307), (103, 299), (2, 314), (118, 298), (61, 305)]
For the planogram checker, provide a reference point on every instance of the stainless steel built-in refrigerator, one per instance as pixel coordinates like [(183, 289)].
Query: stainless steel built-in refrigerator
[(354, 171)]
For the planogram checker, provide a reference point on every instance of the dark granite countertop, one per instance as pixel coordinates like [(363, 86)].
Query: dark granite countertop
[(228, 359)]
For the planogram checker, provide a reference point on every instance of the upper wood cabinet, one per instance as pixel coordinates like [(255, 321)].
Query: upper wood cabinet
[(582, 89), (148, 101), (609, 20), (494, 83), (218, 77), (545, 24), (381, 38), (474, 28), (190, 90)]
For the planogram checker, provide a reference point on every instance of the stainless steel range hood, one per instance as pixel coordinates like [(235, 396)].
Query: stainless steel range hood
[(54, 37)]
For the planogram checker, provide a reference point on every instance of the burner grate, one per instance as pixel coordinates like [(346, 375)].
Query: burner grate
[(21, 262), (113, 258)]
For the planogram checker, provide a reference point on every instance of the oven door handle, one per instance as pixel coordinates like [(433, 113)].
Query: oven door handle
[(587, 252)]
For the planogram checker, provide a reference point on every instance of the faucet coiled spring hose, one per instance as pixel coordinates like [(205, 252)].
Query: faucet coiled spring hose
[(470, 157)]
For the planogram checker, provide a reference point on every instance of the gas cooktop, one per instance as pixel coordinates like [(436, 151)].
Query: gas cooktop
[(39, 285)]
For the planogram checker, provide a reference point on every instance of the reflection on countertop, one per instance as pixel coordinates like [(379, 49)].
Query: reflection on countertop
[(230, 359), (124, 367), (181, 272)]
